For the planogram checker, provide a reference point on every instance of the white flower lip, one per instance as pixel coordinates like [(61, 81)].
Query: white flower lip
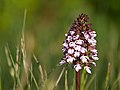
[(87, 69), (79, 42), (72, 44), (75, 37), (70, 59), (92, 34), (76, 54), (86, 36), (70, 51), (92, 41), (72, 32), (63, 49), (95, 58), (78, 48), (94, 50), (83, 50), (65, 44), (69, 38), (94, 63), (84, 59), (77, 67), (62, 62)]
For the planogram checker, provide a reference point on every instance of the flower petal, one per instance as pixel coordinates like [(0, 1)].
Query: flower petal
[(84, 59), (87, 69), (72, 44), (70, 59), (77, 54), (77, 67), (62, 62), (79, 42), (70, 51)]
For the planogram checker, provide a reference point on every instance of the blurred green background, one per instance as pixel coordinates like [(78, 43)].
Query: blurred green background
[(46, 23)]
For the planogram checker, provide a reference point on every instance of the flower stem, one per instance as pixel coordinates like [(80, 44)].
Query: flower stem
[(78, 80)]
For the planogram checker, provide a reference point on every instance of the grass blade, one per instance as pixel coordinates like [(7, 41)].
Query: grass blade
[(66, 81), (83, 79), (41, 73), (59, 77), (106, 87), (114, 85), (36, 84), (90, 82)]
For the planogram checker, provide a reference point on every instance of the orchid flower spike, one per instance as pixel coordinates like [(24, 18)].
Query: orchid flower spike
[(79, 47)]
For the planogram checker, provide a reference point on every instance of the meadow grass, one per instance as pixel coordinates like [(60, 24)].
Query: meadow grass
[(17, 68), (24, 78)]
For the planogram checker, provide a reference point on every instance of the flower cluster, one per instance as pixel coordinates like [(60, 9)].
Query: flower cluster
[(79, 47)]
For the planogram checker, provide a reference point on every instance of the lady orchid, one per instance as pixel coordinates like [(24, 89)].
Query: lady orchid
[(79, 47)]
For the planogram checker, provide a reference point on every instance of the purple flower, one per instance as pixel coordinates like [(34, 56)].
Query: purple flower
[(62, 62), (79, 47), (79, 42), (87, 69), (84, 59), (70, 59), (70, 51), (72, 44), (76, 54), (77, 67)]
